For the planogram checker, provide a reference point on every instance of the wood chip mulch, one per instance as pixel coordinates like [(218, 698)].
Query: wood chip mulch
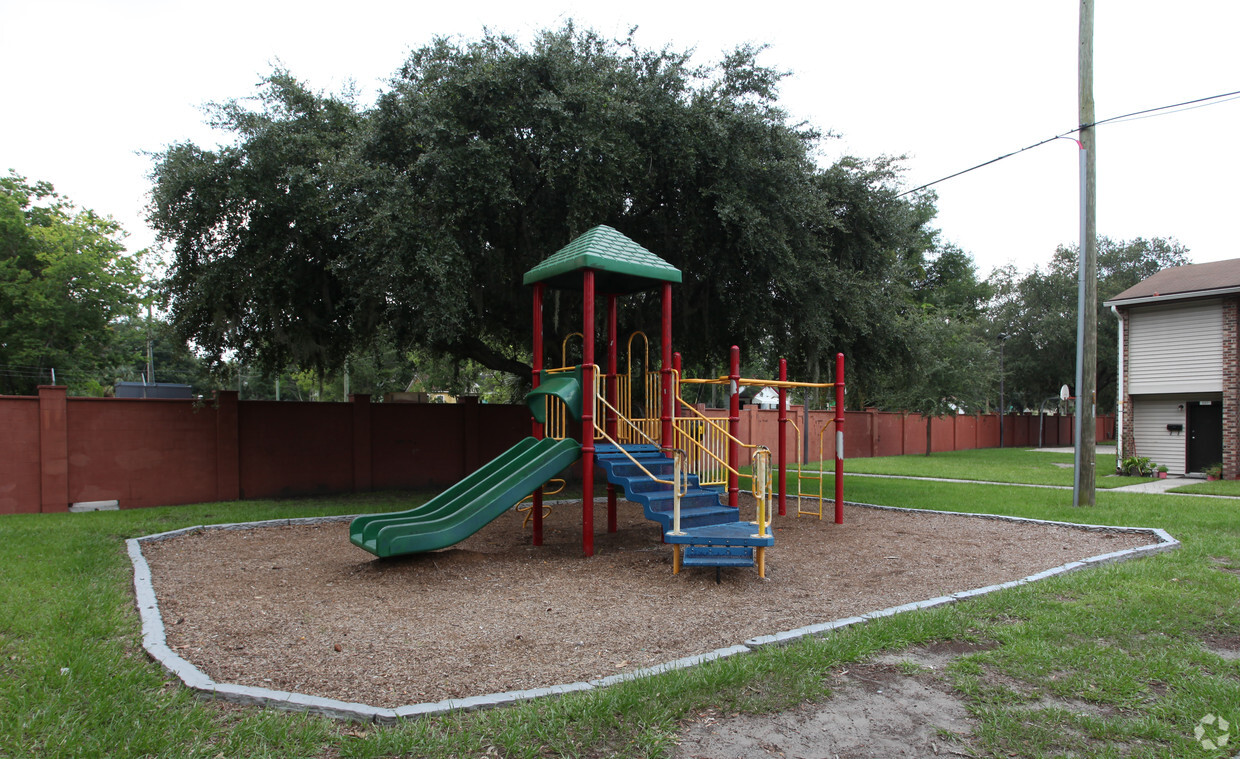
[(302, 609)]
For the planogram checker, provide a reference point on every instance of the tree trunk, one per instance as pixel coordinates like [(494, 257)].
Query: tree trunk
[(929, 433)]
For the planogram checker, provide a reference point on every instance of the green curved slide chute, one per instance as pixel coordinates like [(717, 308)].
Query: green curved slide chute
[(470, 504)]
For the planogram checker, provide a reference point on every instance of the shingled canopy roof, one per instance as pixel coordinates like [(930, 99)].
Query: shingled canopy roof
[(1183, 282), (621, 266)]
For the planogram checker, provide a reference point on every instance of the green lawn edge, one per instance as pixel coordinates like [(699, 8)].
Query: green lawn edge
[(1134, 646)]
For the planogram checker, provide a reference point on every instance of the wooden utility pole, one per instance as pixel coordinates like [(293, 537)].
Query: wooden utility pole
[(1087, 319)]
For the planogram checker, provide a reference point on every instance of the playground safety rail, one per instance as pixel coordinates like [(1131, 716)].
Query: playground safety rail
[(556, 410), (761, 463), (648, 422), (601, 434), (735, 381), (705, 450), (803, 474)]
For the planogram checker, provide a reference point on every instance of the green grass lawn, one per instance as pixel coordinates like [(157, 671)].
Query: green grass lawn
[(1114, 661), (1205, 487), (1017, 465)]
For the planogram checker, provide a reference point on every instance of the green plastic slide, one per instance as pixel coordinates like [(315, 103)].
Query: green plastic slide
[(470, 504)]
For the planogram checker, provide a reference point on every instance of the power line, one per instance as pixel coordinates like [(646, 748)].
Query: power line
[(1147, 113), (1204, 101)]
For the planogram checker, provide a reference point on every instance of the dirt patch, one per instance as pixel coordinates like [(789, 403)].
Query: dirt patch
[(302, 609), (1224, 646), (875, 710), (1225, 565)]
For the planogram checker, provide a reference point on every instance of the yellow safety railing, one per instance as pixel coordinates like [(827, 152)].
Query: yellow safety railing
[(761, 466), (761, 463), (747, 381), (706, 439), (526, 504), (556, 410), (820, 476), (648, 382), (717, 453), (564, 347), (624, 423)]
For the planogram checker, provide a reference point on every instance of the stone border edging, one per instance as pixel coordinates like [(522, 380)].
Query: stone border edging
[(155, 643)]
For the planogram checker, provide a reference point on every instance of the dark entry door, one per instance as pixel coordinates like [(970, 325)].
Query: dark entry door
[(1205, 435)]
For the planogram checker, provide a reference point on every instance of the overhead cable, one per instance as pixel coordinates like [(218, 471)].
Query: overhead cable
[(1147, 113)]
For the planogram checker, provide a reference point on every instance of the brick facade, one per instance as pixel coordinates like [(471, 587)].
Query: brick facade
[(1231, 390), (1128, 443)]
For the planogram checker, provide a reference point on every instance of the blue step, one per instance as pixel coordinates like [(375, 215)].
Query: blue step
[(730, 534), (711, 531), (699, 506), (717, 556)]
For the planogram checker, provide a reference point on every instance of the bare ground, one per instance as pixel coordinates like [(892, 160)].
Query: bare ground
[(300, 608), (899, 705)]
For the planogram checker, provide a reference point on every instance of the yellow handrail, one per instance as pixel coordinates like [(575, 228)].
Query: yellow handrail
[(556, 426), (761, 463), (820, 477), (601, 433), (677, 478), (564, 347), (797, 427), (720, 429), (751, 381)]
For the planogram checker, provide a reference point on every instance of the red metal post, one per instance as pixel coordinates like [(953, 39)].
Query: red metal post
[(587, 412), (612, 398), (665, 369), (539, 432), (734, 427), (783, 436), (839, 438)]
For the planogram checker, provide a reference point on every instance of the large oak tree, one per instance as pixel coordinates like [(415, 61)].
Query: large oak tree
[(324, 228)]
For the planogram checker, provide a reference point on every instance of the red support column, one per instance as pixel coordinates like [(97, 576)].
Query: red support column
[(539, 432), (665, 369), (612, 393), (783, 437), (839, 438), (734, 427), (53, 449), (587, 413)]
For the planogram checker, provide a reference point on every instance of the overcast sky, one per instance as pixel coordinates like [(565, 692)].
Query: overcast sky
[(91, 86)]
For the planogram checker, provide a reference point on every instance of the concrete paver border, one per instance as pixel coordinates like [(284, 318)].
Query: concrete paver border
[(155, 643)]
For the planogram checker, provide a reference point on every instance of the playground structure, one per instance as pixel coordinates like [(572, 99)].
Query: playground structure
[(660, 450)]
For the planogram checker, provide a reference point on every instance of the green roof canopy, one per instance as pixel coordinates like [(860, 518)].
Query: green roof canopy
[(621, 265)]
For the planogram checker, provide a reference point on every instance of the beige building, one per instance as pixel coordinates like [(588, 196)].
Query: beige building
[(1179, 374)]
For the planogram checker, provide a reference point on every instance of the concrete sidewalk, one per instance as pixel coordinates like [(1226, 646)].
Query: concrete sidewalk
[(1157, 486), (1099, 450), (1162, 486)]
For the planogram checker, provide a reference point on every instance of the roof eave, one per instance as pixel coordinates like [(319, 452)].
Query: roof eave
[(1191, 295)]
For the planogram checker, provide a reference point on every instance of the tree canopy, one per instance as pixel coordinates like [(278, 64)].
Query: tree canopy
[(65, 282), (324, 229), (1037, 313)]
